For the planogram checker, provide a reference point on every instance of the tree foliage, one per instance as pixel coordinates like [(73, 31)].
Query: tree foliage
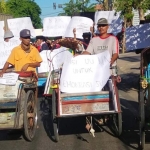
[(126, 7), (3, 8), (73, 7), (25, 8)]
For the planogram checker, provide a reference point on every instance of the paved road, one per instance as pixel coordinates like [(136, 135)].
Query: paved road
[(73, 135)]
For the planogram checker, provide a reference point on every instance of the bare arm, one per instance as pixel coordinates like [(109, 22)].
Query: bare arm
[(74, 33), (33, 65), (114, 58), (4, 68)]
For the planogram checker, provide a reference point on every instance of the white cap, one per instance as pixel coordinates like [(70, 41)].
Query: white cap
[(8, 34)]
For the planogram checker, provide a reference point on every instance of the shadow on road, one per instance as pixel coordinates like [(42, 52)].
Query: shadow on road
[(131, 59), (76, 125), (129, 82)]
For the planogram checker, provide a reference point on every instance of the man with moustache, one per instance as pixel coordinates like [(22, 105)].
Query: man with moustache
[(103, 42), (24, 57)]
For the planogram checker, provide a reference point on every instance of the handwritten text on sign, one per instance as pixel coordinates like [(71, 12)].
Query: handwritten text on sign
[(18, 24), (85, 73), (6, 48), (82, 24), (9, 78), (55, 26)]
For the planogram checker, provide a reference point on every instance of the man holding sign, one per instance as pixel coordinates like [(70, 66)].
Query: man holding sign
[(24, 57), (104, 42)]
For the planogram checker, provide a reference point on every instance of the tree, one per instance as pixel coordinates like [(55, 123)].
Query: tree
[(78, 6), (3, 8), (126, 7), (25, 8)]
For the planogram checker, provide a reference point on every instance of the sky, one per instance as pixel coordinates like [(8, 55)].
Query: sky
[(47, 7)]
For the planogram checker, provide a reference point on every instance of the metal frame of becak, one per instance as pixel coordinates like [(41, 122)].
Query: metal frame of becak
[(20, 111), (144, 96), (91, 105)]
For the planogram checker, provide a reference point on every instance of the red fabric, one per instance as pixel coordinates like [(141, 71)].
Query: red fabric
[(39, 48)]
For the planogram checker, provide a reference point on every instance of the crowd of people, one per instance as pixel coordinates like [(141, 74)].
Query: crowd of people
[(26, 56)]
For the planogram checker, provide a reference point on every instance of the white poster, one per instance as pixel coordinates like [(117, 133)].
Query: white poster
[(53, 59), (82, 24), (9, 78), (17, 24), (1, 31), (109, 15), (113, 19), (85, 73), (6, 48), (55, 26)]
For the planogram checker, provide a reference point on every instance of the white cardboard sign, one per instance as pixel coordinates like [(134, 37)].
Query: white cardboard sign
[(6, 48), (85, 73), (17, 24), (1, 30), (82, 24), (53, 59), (55, 26)]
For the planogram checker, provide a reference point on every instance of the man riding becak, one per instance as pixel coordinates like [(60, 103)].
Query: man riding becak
[(24, 57)]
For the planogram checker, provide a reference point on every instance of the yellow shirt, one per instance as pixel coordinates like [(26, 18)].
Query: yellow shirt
[(19, 58)]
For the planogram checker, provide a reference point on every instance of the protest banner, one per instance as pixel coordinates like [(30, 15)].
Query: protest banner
[(85, 73), (138, 37), (1, 31), (6, 48), (53, 59), (113, 19), (82, 24), (18, 24), (55, 26)]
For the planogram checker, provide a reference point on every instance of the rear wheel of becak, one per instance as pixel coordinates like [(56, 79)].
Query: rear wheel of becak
[(53, 115), (30, 115), (142, 119)]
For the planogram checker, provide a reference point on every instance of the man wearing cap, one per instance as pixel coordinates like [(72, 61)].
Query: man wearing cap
[(8, 35), (24, 57), (104, 42)]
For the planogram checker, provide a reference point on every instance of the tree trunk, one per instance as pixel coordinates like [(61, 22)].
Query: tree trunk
[(106, 7), (141, 15), (124, 37)]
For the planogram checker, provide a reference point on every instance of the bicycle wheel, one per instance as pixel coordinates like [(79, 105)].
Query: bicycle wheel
[(142, 119), (30, 115), (54, 118)]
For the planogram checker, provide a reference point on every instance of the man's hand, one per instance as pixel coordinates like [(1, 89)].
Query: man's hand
[(118, 79), (112, 61), (74, 31), (25, 67)]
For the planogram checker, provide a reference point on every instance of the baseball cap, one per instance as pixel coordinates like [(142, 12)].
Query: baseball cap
[(25, 33), (8, 34), (102, 21)]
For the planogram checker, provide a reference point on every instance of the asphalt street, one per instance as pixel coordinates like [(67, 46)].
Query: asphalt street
[(74, 136)]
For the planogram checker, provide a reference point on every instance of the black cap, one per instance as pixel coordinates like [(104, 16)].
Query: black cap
[(41, 37), (25, 33)]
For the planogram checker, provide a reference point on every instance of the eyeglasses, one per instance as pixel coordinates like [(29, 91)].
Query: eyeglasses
[(102, 25)]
